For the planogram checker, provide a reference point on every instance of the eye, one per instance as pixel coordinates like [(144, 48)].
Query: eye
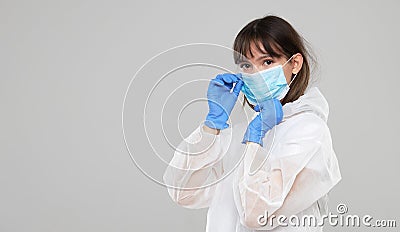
[(268, 62), (245, 66)]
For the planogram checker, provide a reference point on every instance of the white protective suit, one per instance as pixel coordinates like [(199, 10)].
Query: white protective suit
[(295, 180)]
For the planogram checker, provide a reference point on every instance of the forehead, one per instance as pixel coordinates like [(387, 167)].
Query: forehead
[(256, 49), (256, 52), (248, 49)]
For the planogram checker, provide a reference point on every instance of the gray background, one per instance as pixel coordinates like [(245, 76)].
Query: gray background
[(65, 67)]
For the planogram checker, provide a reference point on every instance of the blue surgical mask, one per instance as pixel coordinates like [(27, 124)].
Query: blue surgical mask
[(267, 84)]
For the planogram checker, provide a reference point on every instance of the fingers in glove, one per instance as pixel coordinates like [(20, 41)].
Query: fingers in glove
[(217, 82), (238, 87), (269, 104), (227, 78)]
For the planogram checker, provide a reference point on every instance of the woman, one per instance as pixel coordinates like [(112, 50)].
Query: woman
[(283, 162)]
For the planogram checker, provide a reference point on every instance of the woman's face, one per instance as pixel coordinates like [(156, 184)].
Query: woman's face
[(262, 60)]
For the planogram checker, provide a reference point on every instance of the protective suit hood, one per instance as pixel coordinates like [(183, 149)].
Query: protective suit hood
[(311, 101)]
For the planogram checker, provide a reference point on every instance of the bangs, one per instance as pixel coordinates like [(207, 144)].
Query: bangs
[(263, 42)]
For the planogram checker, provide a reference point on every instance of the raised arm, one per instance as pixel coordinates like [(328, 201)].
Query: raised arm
[(197, 161)]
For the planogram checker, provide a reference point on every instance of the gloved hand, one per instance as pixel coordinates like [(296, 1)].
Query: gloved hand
[(271, 114), (220, 99)]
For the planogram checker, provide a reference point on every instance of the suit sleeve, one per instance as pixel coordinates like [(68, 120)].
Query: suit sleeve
[(195, 166)]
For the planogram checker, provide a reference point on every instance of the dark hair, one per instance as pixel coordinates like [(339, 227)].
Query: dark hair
[(278, 38)]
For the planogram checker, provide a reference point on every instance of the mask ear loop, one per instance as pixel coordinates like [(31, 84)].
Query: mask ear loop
[(288, 60), (295, 75)]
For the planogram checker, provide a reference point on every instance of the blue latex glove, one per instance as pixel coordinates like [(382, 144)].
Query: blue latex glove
[(270, 115), (221, 100)]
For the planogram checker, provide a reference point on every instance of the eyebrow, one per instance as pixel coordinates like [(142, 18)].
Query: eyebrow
[(264, 56), (244, 59)]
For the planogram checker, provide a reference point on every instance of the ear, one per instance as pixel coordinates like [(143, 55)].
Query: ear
[(297, 62)]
